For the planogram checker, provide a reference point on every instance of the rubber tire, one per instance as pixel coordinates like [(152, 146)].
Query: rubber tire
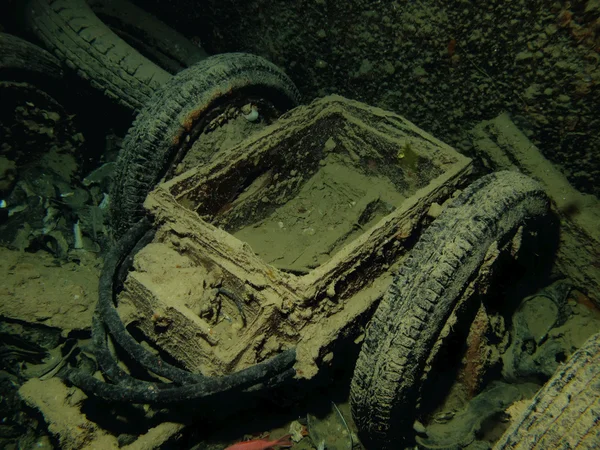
[(151, 143), (399, 339), (23, 61), (70, 30), (152, 38), (564, 413)]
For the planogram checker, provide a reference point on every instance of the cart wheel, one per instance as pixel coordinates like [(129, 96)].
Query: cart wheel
[(449, 263), (23, 61), (71, 30), (564, 413), (184, 108)]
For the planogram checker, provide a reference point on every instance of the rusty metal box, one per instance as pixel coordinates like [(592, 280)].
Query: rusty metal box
[(287, 239)]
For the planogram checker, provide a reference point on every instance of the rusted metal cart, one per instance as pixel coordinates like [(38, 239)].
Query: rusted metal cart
[(287, 239)]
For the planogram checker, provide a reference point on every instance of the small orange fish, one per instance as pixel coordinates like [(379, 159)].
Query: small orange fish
[(261, 444)]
